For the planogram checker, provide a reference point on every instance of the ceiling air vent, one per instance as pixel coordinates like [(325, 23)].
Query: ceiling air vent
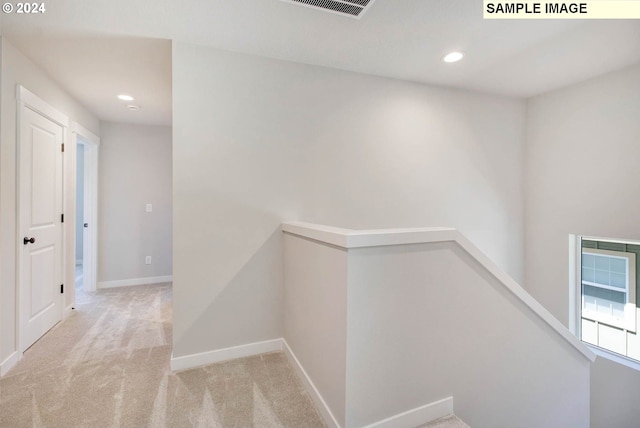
[(350, 8)]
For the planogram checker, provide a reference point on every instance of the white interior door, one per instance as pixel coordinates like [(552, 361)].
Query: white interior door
[(40, 225)]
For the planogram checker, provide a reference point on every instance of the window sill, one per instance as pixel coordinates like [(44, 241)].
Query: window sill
[(612, 356)]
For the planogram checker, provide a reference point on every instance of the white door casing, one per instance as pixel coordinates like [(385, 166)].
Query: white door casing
[(40, 205)]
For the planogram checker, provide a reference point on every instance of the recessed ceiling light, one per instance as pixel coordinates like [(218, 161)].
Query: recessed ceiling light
[(453, 57), (133, 107), (125, 97)]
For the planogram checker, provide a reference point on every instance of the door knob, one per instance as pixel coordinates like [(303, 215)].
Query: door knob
[(86, 225), (29, 240)]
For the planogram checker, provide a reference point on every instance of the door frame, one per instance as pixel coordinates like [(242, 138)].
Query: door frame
[(27, 99), (91, 143)]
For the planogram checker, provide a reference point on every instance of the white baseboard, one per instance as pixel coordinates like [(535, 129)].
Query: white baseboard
[(68, 311), (9, 363), (322, 406), (211, 357), (418, 416), (135, 281)]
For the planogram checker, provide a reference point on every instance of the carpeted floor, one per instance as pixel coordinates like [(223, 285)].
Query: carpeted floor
[(451, 421), (108, 366)]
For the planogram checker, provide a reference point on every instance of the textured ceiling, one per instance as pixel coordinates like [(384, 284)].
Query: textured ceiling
[(96, 44)]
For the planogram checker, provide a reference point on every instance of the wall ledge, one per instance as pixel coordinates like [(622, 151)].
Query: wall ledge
[(353, 239), (347, 238)]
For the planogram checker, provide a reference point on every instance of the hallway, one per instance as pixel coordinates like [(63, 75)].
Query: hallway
[(108, 366)]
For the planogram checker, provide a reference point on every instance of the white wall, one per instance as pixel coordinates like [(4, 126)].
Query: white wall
[(614, 393), (17, 69), (134, 170), (7, 338), (258, 141), (429, 322), (79, 201), (315, 315), (582, 177), (416, 323)]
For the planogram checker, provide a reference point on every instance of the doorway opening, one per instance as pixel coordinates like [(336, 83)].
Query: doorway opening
[(86, 210), (79, 216)]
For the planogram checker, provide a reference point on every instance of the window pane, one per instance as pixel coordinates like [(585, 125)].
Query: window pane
[(604, 294), (588, 260), (602, 262), (588, 274), (589, 303), (619, 280), (603, 301), (602, 277), (618, 266), (618, 310)]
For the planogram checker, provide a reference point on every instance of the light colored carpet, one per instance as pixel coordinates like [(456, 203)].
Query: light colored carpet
[(450, 421), (108, 366)]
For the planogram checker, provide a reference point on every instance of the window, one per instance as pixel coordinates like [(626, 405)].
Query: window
[(606, 277), (606, 287)]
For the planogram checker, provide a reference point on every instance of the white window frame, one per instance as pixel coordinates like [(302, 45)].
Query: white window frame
[(628, 321), (575, 298)]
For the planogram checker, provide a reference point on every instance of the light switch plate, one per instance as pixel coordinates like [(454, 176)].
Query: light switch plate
[(147, 260), (149, 208)]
